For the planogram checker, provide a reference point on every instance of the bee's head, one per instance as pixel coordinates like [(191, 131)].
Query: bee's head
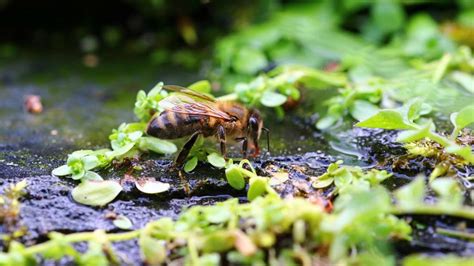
[(254, 131)]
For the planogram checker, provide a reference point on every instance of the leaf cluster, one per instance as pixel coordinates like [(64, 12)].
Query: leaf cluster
[(414, 129), (240, 233), (127, 141)]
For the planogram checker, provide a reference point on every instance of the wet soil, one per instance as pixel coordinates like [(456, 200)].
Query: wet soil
[(82, 105)]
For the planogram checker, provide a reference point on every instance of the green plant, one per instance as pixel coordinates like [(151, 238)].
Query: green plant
[(10, 212), (241, 233), (410, 199), (282, 85), (415, 129), (347, 178), (359, 101), (127, 141)]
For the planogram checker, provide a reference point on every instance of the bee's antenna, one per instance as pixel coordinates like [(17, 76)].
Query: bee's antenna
[(267, 132)]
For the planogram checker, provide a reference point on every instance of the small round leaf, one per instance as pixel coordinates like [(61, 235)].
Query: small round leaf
[(216, 160), (322, 183), (61, 170), (93, 176), (191, 164), (272, 99), (257, 188), (96, 193), (152, 186), (123, 222), (234, 177)]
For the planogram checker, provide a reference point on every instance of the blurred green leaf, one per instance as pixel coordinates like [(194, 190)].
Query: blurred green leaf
[(249, 60), (216, 160), (388, 15), (412, 194), (258, 186), (386, 119), (272, 99), (122, 222), (362, 110), (234, 177)]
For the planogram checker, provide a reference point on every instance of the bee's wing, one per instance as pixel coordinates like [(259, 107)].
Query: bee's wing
[(202, 109), (190, 93), (186, 101)]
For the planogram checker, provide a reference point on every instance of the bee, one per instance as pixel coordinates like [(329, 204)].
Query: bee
[(190, 113)]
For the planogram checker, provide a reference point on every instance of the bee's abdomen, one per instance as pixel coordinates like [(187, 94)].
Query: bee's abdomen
[(172, 125)]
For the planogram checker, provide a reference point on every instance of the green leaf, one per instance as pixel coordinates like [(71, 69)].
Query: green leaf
[(219, 241), (133, 136), (327, 121), (78, 174), (218, 214), (191, 164), (258, 186), (96, 193), (61, 170), (444, 260), (343, 177), (362, 110), (412, 194), (152, 251), (234, 177), (464, 79), (210, 259), (463, 151), (272, 99), (157, 145), (463, 118), (59, 248), (441, 68), (389, 16), (122, 222), (416, 134), (152, 186), (249, 61), (90, 162), (386, 119), (121, 150), (94, 255), (203, 86), (89, 175), (216, 160), (156, 90), (415, 108), (450, 195), (322, 182)]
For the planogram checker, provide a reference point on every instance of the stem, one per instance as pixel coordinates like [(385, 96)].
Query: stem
[(455, 133), (465, 212), (441, 68), (80, 237), (454, 233), (248, 173), (193, 252), (438, 138)]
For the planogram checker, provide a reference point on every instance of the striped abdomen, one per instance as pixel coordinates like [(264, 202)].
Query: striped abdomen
[(172, 125)]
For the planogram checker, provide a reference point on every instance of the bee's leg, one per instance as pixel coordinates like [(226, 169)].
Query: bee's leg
[(183, 154), (221, 138), (244, 148)]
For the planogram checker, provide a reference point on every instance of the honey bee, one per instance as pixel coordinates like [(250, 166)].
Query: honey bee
[(190, 113)]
